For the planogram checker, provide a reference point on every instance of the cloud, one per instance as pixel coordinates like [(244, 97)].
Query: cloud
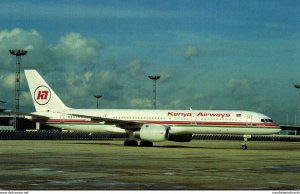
[(62, 10), (16, 39), (78, 67), (81, 87), (246, 93), (141, 103), (242, 90), (18, 35), (191, 51), (135, 65), (198, 97), (68, 57), (77, 48), (176, 103), (8, 80), (72, 48), (235, 85), (135, 68)]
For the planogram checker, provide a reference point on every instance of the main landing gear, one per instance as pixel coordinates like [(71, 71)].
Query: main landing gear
[(244, 146), (131, 142), (134, 143)]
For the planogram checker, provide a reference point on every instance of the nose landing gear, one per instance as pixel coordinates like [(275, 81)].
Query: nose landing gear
[(244, 146)]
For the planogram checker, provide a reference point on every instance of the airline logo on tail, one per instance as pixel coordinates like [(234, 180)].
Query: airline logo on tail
[(42, 95)]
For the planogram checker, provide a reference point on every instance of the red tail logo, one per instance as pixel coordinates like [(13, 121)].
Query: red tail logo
[(42, 95)]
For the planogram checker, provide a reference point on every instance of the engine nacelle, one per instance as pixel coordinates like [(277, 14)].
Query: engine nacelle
[(152, 132)]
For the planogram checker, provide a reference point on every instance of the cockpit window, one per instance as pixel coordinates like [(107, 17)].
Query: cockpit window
[(266, 120)]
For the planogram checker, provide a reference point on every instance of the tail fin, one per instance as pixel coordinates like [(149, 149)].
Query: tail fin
[(44, 98)]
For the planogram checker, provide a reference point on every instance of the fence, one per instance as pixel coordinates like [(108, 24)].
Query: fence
[(56, 135), (253, 138)]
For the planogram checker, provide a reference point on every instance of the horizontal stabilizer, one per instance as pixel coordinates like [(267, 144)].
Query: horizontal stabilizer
[(33, 116)]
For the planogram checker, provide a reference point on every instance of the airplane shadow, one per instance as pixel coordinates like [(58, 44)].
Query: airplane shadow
[(96, 143), (194, 147), (157, 146), (182, 146)]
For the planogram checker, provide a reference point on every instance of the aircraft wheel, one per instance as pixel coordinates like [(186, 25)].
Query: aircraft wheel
[(146, 144), (130, 143), (244, 147)]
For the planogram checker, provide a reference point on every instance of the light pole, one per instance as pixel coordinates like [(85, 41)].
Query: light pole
[(3, 102), (97, 96), (297, 86), (154, 78), (18, 53)]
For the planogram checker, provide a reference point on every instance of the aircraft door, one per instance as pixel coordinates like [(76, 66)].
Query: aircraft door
[(193, 118), (62, 117), (249, 119)]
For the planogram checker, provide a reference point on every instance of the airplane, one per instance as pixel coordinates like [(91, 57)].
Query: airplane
[(146, 126)]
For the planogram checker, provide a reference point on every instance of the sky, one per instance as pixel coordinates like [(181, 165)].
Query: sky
[(216, 54)]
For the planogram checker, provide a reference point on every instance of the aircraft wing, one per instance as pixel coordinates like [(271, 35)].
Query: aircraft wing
[(29, 115), (124, 124)]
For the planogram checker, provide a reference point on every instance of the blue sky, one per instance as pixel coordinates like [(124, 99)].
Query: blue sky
[(217, 54)]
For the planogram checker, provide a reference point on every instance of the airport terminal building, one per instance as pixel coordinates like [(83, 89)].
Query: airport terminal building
[(7, 121)]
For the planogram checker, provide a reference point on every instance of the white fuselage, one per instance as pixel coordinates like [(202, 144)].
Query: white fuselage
[(147, 125), (179, 121)]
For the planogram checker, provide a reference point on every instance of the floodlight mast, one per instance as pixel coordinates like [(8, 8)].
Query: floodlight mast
[(297, 86), (18, 53), (154, 78), (97, 96), (3, 102)]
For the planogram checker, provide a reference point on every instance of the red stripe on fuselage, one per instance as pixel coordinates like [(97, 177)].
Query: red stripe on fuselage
[(175, 123)]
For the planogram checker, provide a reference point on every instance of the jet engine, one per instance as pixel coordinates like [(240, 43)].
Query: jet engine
[(156, 133), (152, 132)]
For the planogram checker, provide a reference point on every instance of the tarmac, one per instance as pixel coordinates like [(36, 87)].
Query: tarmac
[(108, 165)]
